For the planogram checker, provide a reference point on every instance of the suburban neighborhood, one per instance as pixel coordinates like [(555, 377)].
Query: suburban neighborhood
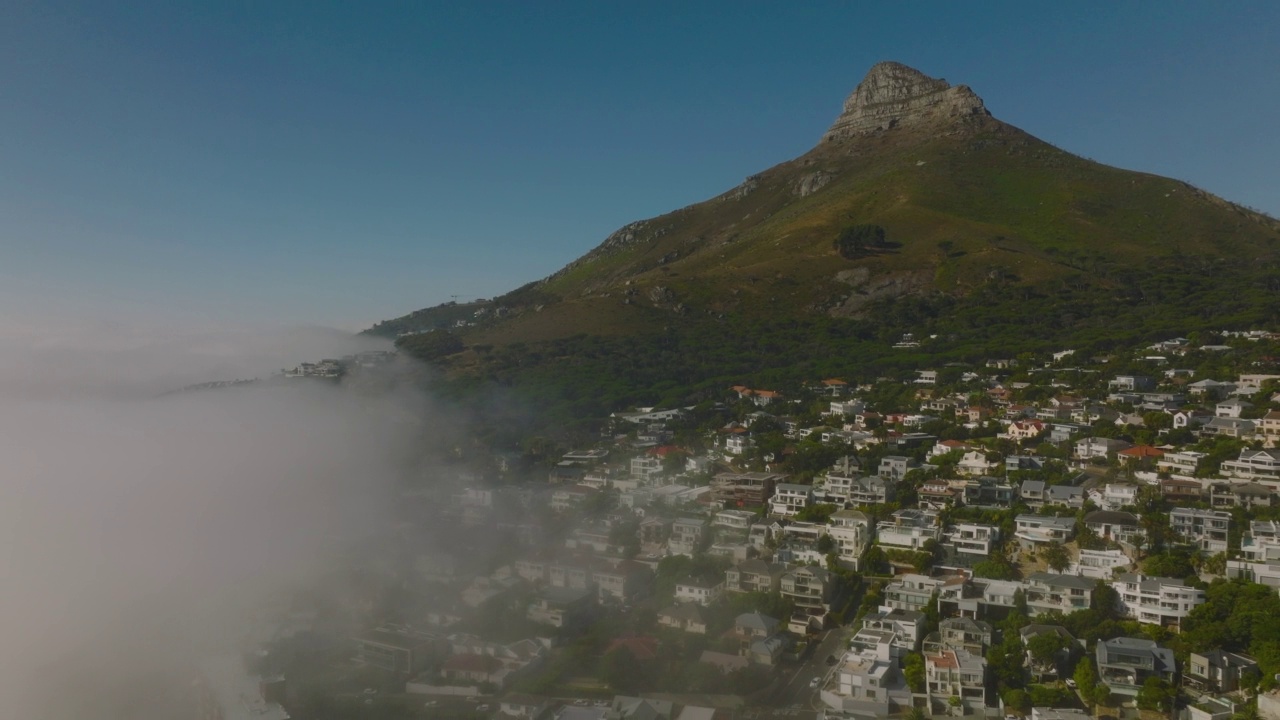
[(1034, 537)]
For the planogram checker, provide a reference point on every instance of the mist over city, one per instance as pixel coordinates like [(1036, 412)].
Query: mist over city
[(146, 530), (649, 361)]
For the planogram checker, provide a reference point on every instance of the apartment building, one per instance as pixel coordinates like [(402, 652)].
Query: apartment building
[(1257, 465), (866, 683), (1183, 462), (1037, 530), (753, 575), (1156, 601), (810, 589), (851, 532), (1046, 592), (1125, 663), (909, 529), (789, 499), (956, 674), (972, 538), (750, 489), (911, 592), (686, 533), (1207, 529)]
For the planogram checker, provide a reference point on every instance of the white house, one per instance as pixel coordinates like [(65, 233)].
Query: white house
[(1036, 530), (702, 592), (972, 538), (955, 674), (1208, 529), (1096, 447), (1099, 564), (851, 532), (1156, 601), (789, 499), (909, 529)]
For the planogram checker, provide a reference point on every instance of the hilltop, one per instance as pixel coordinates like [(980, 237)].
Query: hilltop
[(917, 211)]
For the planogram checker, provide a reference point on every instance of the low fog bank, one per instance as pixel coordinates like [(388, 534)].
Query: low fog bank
[(74, 362), (142, 533)]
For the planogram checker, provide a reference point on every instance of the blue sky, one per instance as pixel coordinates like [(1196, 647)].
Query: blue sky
[(341, 163)]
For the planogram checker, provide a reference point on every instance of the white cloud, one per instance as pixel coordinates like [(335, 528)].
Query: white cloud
[(137, 527)]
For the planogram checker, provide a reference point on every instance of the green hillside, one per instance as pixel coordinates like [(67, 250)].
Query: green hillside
[(993, 239)]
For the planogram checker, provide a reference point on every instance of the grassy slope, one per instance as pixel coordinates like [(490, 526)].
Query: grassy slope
[(1005, 201), (1016, 246)]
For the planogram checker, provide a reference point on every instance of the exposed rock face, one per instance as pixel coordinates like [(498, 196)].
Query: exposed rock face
[(810, 184), (893, 95)]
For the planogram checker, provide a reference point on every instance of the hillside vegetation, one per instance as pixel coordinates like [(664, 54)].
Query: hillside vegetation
[(992, 240)]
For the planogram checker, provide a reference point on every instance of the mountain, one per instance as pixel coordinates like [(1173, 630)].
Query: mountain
[(917, 211)]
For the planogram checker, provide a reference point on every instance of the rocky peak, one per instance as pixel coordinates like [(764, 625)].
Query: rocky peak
[(893, 95)]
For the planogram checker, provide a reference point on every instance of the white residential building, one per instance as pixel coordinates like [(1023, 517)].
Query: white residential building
[(904, 627), (1263, 573), (841, 477), (1099, 564), (1036, 530), (1208, 529), (789, 499), (955, 674), (1183, 462), (646, 467), (1232, 408), (1114, 496), (870, 490), (686, 533), (1095, 447), (909, 529), (911, 592), (1156, 601), (976, 463), (866, 683), (1262, 542), (842, 408), (734, 519), (698, 591), (1259, 465), (1048, 592), (972, 538), (851, 532)]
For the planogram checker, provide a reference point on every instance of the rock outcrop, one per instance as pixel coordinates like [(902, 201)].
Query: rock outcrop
[(893, 95)]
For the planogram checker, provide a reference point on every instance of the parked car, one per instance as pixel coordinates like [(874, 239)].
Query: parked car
[(815, 682)]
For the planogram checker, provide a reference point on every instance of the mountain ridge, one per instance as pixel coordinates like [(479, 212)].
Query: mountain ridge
[(972, 210)]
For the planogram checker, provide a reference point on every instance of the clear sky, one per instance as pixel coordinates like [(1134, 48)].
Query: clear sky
[(341, 163)]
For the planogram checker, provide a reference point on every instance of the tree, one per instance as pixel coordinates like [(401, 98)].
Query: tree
[(1044, 649), (1017, 699), (1057, 557), (1086, 678), (621, 670), (826, 544), (1155, 694), (1173, 564), (875, 562), (995, 569), (913, 671), (1006, 661), (1105, 601), (855, 240), (1101, 695), (1216, 565)]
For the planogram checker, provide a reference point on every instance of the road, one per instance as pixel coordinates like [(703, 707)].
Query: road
[(796, 692)]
